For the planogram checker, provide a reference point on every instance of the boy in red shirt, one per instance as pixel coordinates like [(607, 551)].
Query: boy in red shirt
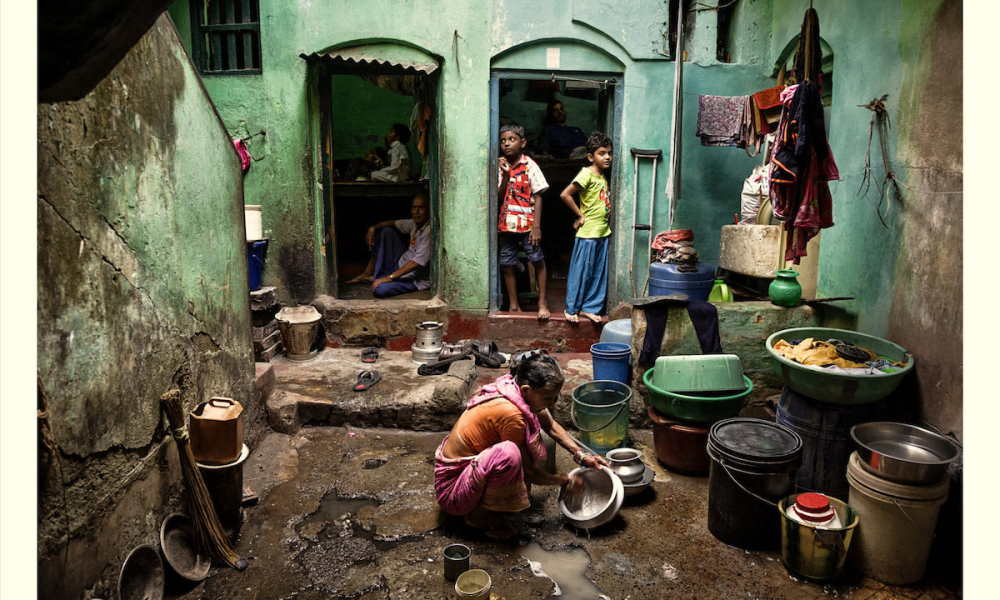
[(521, 187)]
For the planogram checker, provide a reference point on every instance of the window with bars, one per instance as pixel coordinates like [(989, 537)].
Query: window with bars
[(226, 36)]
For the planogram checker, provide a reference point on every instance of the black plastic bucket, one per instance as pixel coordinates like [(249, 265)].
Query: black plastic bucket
[(825, 430), (754, 463)]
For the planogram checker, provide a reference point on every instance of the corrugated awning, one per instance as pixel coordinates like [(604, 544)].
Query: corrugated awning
[(337, 62)]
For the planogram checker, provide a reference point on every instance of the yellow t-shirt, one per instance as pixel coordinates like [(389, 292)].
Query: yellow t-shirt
[(595, 204)]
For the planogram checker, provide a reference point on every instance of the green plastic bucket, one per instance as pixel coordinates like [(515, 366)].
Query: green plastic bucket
[(600, 413)]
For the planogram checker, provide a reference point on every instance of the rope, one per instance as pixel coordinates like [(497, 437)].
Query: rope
[(180, 433)]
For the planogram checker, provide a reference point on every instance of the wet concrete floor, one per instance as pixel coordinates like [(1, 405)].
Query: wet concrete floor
[(350, 513)]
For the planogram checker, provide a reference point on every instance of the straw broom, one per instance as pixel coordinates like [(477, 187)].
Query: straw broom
[(211, 536)]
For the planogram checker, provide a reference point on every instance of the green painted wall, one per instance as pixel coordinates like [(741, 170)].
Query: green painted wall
[(142, 287)]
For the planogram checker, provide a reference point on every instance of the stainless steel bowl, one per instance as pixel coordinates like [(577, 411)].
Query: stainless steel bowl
[(627, 464), (180, 548), (599, 501), (904, 453)]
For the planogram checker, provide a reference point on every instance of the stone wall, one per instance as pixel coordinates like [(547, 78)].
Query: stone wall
[(142, 287)]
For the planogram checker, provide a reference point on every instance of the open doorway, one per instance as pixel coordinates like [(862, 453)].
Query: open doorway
[(558, 112), (372, 112)]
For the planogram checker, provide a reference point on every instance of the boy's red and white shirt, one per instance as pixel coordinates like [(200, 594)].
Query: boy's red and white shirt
[(517, 213)]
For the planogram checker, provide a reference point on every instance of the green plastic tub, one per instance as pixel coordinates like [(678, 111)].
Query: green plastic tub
[(838, 388), (699, 373), (695, 409)]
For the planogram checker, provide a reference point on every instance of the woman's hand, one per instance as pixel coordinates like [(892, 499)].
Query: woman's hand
[(573, 487), (593, 461)]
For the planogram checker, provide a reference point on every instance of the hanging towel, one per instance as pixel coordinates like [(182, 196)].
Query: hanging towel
[(719, 119), (241, 149)]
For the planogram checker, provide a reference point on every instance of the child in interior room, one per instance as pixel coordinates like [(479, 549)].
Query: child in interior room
[(399, 157), (587, 283), (521, 187)]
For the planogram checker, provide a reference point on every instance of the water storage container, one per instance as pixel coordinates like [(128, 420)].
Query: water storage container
[(225, 486), (255, 262), (611, 361), (679, 446), (825, 430), (600, 413), (666, 278), (753, 467), (899, 521)]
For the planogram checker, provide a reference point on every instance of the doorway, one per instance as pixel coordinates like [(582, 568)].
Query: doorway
[(591, 102)]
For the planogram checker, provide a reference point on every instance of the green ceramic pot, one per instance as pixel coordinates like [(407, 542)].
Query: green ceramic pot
[(785, 289)]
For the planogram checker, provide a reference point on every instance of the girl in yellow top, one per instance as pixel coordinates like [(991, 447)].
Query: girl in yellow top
[(587, 283)]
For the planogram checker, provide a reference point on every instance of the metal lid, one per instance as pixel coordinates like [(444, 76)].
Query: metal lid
[(755, 442)]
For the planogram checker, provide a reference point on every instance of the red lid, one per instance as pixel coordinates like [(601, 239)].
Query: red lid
[(813, 507)]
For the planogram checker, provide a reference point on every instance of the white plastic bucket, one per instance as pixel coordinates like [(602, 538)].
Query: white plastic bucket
[(254, 222), (897, 524)]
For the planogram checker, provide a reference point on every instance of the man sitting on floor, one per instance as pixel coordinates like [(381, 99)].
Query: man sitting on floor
[(396, 267)]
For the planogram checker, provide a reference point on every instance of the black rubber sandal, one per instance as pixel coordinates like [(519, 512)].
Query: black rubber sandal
[(369, 354), (366, 379)]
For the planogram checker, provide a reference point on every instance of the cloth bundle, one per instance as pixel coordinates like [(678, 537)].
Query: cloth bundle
[(676, 246), (719, 119)]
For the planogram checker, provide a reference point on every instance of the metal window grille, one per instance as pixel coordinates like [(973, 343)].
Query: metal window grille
[(226, 36)]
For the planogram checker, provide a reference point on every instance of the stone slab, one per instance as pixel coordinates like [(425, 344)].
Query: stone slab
[(267, 342), (264, 380), (264, 298), (323, 391), (267, 355), (366, 322), (259, 333)]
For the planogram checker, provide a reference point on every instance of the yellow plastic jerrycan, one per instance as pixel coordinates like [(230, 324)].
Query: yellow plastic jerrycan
[(720, 292)]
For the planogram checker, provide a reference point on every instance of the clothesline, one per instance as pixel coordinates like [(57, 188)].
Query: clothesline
[(607, 82)]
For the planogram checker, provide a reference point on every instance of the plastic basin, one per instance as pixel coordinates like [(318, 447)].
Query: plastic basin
[(699, 373), (698, 409), (839, 388)]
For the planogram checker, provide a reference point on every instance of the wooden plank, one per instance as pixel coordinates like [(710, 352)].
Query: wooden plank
[(216, 51), (249, 59), (232, 58)]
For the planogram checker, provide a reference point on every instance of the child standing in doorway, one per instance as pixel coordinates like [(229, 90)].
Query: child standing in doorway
[(587, 283), (521, 187)]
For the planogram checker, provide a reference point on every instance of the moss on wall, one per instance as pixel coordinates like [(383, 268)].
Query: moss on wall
[(142, 286)]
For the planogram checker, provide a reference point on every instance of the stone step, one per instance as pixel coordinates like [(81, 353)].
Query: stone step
[(321, 391)]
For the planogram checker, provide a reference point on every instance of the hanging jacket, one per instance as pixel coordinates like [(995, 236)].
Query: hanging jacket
[(802, 130)]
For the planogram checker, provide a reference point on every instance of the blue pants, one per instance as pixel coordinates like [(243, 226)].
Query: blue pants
[(388, 246), (587, 283)]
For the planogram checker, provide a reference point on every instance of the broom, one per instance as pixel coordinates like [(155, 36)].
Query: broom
[(211, 536)]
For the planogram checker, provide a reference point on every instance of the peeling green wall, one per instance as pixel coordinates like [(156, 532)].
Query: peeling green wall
[(142, 287)]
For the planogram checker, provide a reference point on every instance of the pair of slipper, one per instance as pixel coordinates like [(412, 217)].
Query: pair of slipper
[(366, 379), (369, 354)]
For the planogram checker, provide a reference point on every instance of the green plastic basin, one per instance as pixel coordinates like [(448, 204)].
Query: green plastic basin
[(699, 373), (700, 409), (838, 388)]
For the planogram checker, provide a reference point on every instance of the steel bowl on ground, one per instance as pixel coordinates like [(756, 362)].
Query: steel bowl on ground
[(636, 487), (142, 576), (598, 503), (626, 463), (179, 544), (698, 409), (904, 453), (838, 388)]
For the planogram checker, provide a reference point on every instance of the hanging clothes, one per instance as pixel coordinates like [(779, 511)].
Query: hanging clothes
[(719, 119), (241, 149)]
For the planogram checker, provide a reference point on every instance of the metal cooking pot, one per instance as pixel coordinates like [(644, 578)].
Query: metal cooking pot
[(599, 501), (904, 453), (627, 464)]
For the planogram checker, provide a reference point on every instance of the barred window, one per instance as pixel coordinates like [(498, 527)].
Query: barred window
[(226, 36)]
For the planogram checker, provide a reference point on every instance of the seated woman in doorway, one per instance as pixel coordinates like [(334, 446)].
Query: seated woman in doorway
[(394, 266), (485, 465)]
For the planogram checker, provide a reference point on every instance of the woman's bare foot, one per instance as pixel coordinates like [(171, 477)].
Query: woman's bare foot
[(492, 526), (594, 318), (571, 318), (543, 312), (363, 278)]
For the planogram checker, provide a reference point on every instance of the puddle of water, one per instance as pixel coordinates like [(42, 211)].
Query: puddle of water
[(566, 568)]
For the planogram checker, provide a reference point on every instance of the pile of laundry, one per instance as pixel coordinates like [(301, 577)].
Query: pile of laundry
[(676, 246), (836, 356)]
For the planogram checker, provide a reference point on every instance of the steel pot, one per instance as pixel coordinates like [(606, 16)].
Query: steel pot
[(599, 502), (904, 453), (627, 464)]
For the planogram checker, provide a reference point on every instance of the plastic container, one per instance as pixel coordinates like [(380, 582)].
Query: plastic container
[(720, 292), (456, 560), (255, 262), (699, 373), (216, 431), (785, 289), (813, 553), (619, 330), (474, 584), (701, 409), (600, 412), (825, 430), (611, 361), (838, 388), (680, 447), (899, 522), (814, 510), (666, 278), (254, 222), (753, 467), (225, 486)]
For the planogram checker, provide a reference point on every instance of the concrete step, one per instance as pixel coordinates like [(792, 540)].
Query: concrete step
[(321, 391)]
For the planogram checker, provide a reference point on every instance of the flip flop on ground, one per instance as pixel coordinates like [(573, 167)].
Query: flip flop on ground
[(369, 354), (366, 379)]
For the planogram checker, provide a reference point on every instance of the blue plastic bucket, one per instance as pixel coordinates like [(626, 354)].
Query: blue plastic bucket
[(825, 430), (611, 361), (255, 262), (667, 278), (600, 413)]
